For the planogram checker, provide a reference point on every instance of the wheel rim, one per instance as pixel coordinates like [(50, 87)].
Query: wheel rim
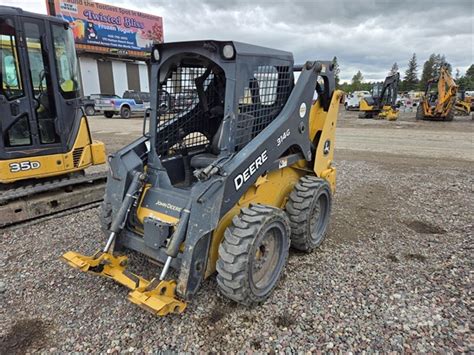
[(319, 217), (267, 259)]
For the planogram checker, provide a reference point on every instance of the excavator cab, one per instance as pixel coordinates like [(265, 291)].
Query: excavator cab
[(382, 102), (43, 131), (44, 134)]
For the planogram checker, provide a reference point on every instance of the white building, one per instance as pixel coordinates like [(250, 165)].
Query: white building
[(108, 75)]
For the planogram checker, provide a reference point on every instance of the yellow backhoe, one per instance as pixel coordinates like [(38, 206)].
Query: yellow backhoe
[(440, 96)]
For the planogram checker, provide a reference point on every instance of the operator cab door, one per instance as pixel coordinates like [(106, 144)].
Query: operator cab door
[(18, 128), (40, 84)]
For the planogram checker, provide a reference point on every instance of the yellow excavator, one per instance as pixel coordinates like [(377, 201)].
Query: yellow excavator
[(382, 103), (438, 103), (45, 141)]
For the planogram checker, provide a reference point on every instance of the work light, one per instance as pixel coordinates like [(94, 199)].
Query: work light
[(156, 54), (228, 51)]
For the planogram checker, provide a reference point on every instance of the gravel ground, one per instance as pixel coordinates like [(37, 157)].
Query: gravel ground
[(394, 274)]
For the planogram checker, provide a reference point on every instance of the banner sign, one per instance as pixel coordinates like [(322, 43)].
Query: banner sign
[(105, 25)]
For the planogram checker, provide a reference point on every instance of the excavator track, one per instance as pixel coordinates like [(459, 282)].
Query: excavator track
[(44, 198)]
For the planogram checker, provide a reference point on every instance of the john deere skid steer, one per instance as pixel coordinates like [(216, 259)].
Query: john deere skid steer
[(237, 166), (382, 103)]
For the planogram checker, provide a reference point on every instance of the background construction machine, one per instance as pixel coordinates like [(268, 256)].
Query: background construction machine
[(225, 183), (382, 103), (463, 103), (438, 102), (45, 142)]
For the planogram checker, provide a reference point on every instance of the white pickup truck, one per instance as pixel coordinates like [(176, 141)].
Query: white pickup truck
[(352, 100)]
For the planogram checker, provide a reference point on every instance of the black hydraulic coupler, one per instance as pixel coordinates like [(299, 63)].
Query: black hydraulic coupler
[(121, 217)]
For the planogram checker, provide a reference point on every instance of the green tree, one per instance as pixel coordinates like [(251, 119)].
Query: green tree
[(337, 70), (440, 61), (356, 83), (410, 81), (458, 74), (466, 82), (470, 72), (394, 69), (346, 87), (432, 67), (428, 71)]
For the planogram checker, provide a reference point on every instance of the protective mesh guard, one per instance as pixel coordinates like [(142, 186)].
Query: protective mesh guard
[(262, 101), (189, 94)]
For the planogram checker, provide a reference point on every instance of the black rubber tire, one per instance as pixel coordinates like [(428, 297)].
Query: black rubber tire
[(303, 202), (241, 245), (450, 115), (125, 112), (108, 114), (105, 216), (419, 112), (89, 110)]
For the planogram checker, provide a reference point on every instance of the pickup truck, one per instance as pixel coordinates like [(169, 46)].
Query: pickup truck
[(352, 100), (88, 102), (132, 102)]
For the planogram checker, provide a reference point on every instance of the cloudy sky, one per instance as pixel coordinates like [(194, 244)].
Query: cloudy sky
[(365, 35)]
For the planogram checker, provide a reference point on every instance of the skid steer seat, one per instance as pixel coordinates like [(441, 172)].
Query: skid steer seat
[(202, 160)]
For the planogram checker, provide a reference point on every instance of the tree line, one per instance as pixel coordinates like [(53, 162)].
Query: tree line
[(409, 80)]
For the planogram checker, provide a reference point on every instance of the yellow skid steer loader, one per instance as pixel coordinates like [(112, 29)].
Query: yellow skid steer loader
[(225, 182)]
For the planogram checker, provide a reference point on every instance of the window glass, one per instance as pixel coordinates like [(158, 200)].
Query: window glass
[(41, 79), (66, 60), (19, 133), (10, 69)]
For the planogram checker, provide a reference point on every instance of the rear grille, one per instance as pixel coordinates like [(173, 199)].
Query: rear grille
[(76, 156)]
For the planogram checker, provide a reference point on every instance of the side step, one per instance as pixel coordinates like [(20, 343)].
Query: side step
[(37, 202), (155, 296)]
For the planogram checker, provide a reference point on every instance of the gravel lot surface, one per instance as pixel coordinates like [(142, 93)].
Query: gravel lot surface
[(394, 274)]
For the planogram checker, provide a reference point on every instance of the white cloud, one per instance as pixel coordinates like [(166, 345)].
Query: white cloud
[(365, 35)]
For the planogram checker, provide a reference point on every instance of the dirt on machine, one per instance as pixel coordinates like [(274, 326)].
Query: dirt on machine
[(45, 140), (224, 183)]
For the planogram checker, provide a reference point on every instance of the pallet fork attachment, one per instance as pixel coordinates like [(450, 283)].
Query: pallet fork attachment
[(156, 296)]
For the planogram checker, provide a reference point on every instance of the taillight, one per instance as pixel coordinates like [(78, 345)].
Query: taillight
[(112, 102)]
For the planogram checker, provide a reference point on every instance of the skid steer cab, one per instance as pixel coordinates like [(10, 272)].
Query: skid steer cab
[(382, 103), (237, 166)]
